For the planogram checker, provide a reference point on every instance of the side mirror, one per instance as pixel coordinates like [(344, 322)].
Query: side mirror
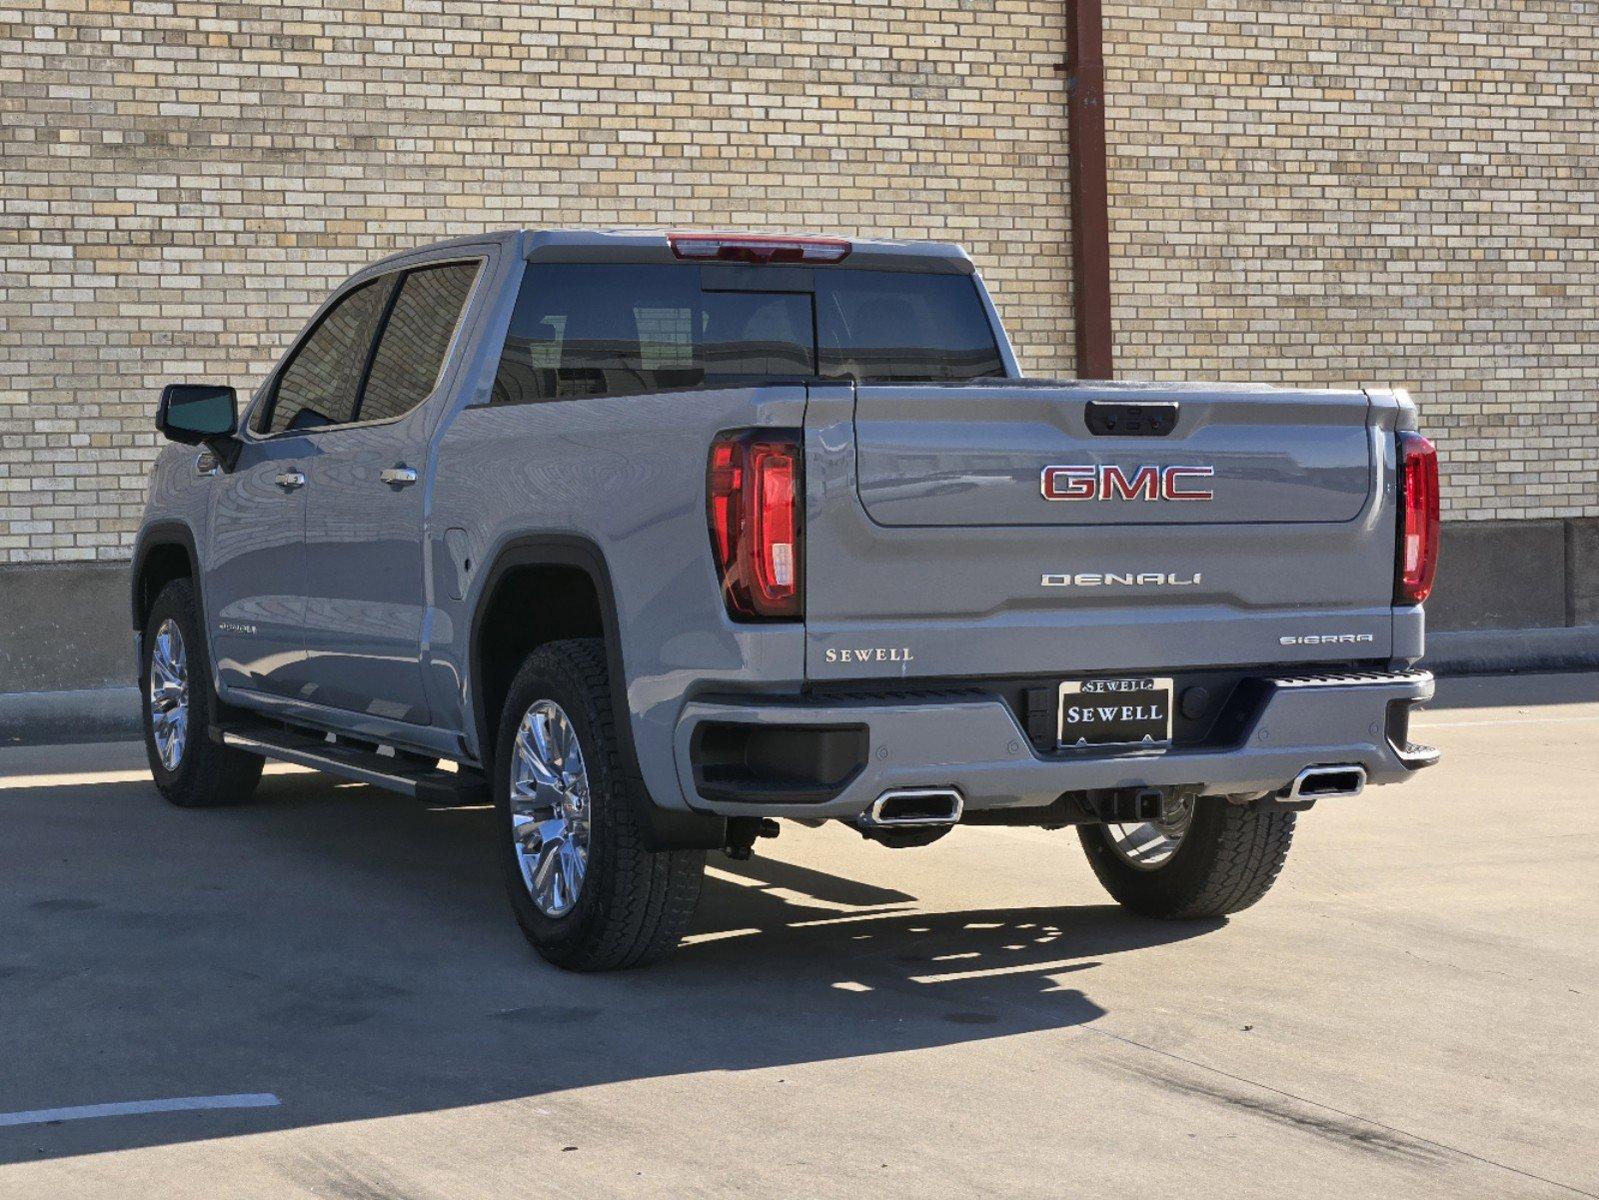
[(193, 413)]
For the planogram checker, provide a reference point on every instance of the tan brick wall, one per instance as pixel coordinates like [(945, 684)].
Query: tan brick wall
[(183, 183), (1305, 192), (1338, 193)]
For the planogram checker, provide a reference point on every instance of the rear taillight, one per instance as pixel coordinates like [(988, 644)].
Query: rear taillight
[(1418, 519), (754, 492), (757, 248)]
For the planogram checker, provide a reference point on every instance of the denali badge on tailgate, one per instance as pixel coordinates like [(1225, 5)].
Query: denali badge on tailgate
[(1148, 484), (1094, 579)]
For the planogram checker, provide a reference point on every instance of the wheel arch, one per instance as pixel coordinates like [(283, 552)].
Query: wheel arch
[(518, 569), (164, 551), (521, 568)]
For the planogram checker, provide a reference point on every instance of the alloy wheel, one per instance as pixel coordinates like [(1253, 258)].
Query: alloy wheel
[(1150, 845), (169, 694), (550, 808)]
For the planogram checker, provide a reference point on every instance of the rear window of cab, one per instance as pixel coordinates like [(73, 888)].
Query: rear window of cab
[(617, 329)]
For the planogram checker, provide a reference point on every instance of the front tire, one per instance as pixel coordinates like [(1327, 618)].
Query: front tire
[(1211, 859), (586, 892), (179, 707)]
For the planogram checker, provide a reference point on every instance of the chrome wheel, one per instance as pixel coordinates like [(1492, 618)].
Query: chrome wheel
[(169, 694), (1149, 845), (550, 808)]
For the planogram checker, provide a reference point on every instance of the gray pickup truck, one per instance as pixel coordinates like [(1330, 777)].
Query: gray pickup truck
[(658, 538)]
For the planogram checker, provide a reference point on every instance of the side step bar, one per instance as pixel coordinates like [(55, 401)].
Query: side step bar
[(349, 762)]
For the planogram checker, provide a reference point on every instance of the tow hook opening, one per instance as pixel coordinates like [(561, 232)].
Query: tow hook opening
[(1136, 806)]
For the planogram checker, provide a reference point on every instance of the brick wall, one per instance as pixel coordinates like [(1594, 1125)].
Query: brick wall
[(1304, 192), (1339, 192), (183, 183)]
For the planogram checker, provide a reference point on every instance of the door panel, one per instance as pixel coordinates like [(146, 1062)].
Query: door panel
[(365, 599), (255, 570)]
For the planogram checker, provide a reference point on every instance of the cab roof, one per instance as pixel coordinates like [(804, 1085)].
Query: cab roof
[(655, 246)]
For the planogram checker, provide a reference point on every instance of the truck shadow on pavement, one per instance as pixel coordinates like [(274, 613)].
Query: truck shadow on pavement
[(352, 954)]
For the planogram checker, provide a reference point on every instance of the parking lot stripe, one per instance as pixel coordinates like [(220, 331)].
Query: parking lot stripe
[(1506, 721), (131, 1108), (142, 775)]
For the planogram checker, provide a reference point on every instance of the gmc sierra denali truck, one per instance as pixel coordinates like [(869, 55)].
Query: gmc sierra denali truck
[(659, 538)]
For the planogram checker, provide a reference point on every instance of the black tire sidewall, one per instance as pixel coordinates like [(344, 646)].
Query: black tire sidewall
[(543, 677), (177, 604), (208, 775), (1170, 886)]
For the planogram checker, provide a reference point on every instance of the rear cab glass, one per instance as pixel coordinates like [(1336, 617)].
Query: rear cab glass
[(615, 329)]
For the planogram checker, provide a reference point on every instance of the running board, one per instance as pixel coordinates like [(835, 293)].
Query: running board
[(464, 787)]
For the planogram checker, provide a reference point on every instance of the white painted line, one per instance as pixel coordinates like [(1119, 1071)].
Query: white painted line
[(720, 935), (730, 877), (1057, 966), (89, 778), (133, 1108), (1506, 721)]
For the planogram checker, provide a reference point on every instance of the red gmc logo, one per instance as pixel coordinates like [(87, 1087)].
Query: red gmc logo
[(1112, 483)]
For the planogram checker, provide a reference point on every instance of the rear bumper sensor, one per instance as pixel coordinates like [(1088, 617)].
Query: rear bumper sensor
[(979, 749)]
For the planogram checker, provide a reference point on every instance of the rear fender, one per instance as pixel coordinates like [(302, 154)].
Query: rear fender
[(665, 830)]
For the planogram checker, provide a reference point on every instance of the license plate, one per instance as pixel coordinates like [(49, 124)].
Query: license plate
[(1115, 712)]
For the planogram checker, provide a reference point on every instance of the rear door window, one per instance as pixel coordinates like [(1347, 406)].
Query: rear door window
[(416, 336)]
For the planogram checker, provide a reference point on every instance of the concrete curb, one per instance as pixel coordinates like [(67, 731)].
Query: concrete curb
[(69, 716), (1495, 651), (113, 712)]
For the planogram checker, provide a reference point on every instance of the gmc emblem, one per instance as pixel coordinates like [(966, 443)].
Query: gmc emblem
[(1112, 483)]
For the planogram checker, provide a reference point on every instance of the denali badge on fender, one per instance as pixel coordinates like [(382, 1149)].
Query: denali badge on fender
[(1148, 484)]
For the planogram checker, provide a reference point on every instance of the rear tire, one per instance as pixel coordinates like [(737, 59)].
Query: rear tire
[(189, 768), (1227, 859), (586, 892)]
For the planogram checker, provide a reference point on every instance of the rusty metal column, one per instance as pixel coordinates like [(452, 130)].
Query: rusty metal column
[(1090, 216)]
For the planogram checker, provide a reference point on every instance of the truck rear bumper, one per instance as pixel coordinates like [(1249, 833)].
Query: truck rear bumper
[(975, 745)]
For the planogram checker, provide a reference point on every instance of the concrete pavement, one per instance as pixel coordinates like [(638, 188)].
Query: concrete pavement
[(1411, 1013)]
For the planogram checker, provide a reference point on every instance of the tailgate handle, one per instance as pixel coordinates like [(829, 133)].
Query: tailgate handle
[(1130, 420)]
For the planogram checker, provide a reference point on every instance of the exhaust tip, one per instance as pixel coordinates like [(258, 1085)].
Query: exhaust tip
[(1319, 783), (914, 807)]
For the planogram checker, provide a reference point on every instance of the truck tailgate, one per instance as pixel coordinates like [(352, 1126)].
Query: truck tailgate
[(1257, 526)]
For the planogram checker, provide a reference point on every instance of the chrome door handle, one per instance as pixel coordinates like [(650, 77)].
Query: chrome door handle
[(398, 476), (290, 480)]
